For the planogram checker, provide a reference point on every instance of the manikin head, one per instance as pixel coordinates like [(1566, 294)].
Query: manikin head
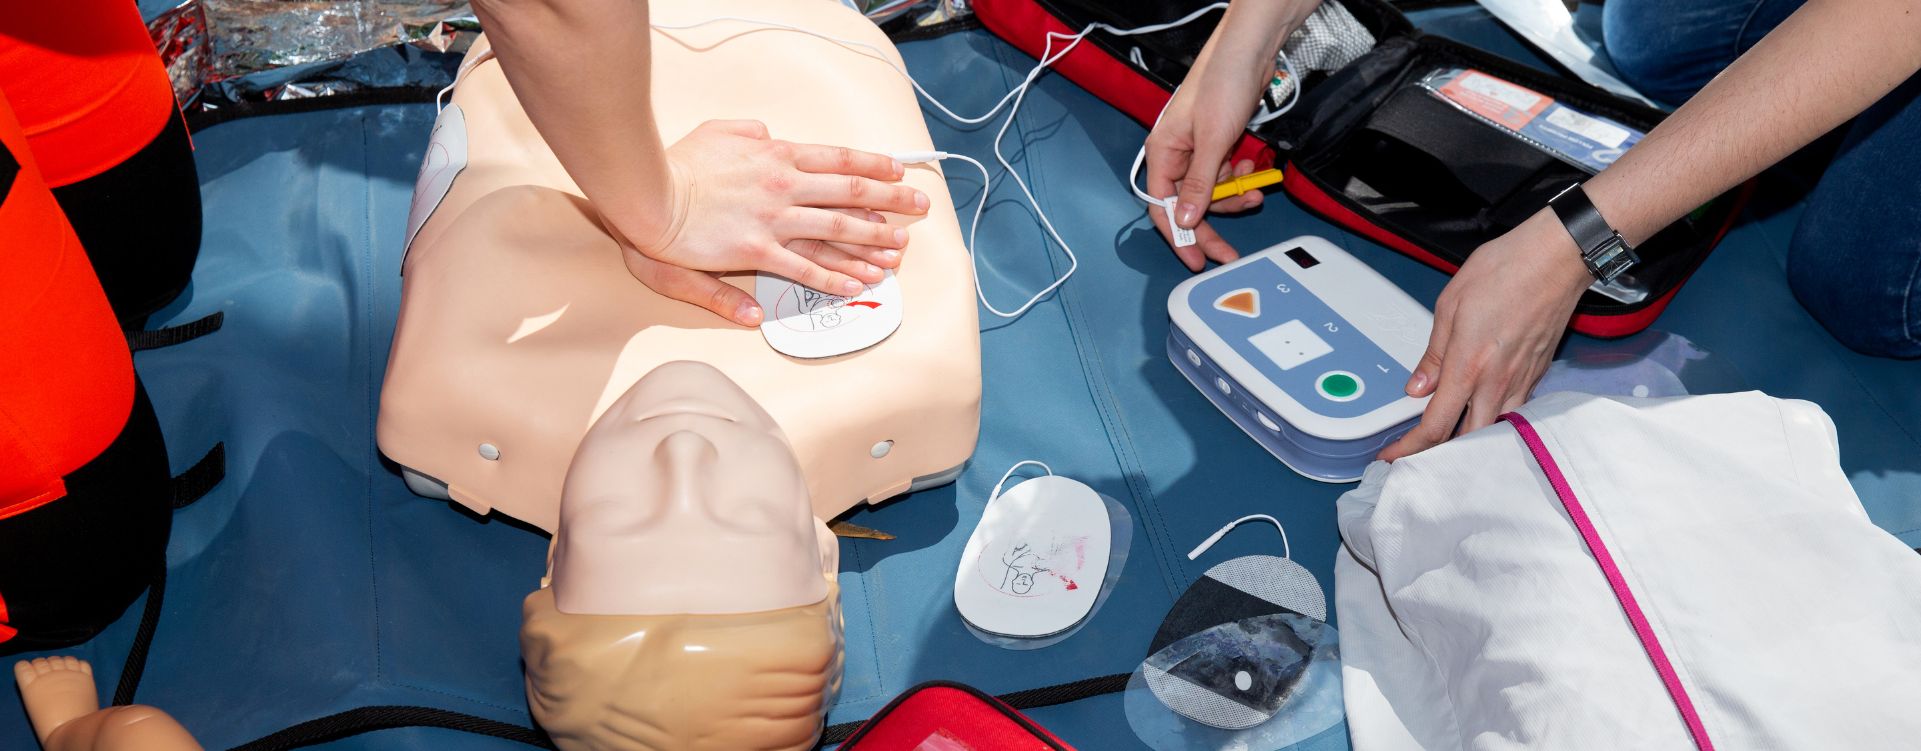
[(684, 497), (691, 602)]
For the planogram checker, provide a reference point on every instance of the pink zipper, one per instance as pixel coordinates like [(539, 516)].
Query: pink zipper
[(1595, 546)]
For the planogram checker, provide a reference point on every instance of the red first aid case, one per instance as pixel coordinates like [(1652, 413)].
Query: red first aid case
[(1367, 148), (944, 716)]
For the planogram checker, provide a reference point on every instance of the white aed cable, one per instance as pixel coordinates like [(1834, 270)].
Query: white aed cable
[(1010, 473), (1286, 552), (973, 228)]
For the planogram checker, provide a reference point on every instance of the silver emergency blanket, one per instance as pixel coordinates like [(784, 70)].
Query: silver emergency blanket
[(254, 50), (225, 52)]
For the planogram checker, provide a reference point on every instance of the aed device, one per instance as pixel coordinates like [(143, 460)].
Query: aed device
[(1307, 350)]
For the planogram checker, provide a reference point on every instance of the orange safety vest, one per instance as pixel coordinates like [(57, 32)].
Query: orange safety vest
[(84, 82), (66, 376)]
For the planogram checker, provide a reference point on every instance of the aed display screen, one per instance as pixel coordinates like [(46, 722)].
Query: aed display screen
[(1302, 258)]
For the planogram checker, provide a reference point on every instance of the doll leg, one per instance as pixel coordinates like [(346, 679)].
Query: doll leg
[(56, 691), (64, 706)]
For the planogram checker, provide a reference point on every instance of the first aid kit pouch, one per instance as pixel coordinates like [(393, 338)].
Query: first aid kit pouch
[(946, 716), (1375, 147), (1593, 572)]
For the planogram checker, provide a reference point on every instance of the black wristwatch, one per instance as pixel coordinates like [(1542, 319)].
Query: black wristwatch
[(1602, 249)]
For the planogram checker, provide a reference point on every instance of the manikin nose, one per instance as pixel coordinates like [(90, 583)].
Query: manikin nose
[(686, 457)]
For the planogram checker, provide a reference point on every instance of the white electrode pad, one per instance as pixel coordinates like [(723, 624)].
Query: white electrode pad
[(807, 323), (446, 157), (1035, 564)]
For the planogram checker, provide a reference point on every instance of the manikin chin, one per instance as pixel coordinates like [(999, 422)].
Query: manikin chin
[(690, 601)]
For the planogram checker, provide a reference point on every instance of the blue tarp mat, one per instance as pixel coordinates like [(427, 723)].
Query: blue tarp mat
[(311, 581)]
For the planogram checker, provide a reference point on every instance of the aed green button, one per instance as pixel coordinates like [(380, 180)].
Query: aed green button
[(1340, 386)]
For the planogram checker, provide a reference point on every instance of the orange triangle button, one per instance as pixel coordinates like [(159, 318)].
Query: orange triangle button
[(1244, 301)]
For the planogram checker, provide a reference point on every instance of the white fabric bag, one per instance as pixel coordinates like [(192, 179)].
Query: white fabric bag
[(1474, 613)]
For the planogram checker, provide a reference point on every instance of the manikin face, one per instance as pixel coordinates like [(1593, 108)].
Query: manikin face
[(685, 498)]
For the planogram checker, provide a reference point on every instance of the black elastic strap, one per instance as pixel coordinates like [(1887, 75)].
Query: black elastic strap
[(193, 484), (1489, 164), (187, 487), (1047, 696), (366, 719), (166, 337), (142, 640)]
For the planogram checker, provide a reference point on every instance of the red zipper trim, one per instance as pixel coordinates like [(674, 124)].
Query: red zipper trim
[(1024, 24)]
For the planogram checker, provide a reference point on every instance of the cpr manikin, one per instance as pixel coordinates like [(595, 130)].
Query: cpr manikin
[(691, 601), (519, 323), (64, 706)]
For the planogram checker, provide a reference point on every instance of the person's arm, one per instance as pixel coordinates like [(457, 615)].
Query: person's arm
[(1187, 151), (1498, 321), (725, 198)]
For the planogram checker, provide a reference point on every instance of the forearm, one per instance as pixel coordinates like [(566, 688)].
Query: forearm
[(1821, 67), (580, 69), (1252, 31)]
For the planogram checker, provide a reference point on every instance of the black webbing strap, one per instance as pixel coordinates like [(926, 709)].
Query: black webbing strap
[(1047, 696), (353, 722), (366, 719), (191, 485), (142, 640), (172, 335), (186, 487)]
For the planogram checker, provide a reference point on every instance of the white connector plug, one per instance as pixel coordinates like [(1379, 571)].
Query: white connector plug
[(919, 157)]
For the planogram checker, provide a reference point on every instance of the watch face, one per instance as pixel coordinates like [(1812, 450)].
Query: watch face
[(1610, 258)]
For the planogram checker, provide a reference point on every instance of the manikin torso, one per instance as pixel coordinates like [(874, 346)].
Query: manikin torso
[(520, 325), (691, 601)]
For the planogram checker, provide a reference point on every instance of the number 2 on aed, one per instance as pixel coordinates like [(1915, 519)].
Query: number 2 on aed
[(1331, 328)]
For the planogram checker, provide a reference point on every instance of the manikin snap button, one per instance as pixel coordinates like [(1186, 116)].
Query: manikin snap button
[(1339, 385), (489, 452), (880, 449)]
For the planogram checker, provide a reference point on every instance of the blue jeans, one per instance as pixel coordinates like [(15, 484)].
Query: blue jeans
[(1855, 260)]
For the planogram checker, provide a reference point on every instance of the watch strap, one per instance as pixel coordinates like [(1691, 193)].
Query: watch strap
[(1582, 220), (1603, 251)]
